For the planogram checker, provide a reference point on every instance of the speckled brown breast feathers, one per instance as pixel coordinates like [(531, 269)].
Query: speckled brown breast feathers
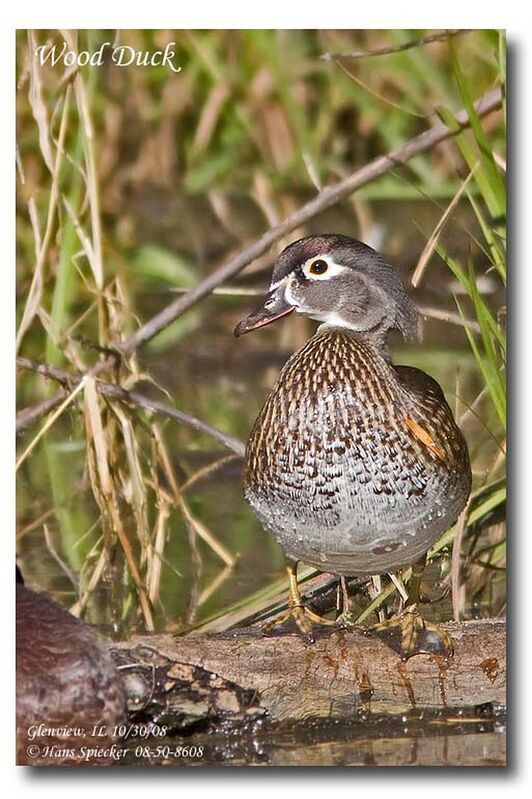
[(356, 466)]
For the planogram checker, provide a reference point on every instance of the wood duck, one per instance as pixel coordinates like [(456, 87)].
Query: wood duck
[(355, 465)]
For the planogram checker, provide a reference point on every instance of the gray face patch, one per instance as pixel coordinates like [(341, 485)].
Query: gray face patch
[(345, 300), (359, 290)]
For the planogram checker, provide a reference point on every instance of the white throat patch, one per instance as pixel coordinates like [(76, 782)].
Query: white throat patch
[(289, 297)]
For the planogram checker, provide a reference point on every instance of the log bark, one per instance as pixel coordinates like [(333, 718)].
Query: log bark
[(243, 674)]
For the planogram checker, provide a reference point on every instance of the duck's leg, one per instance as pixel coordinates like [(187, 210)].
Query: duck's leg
[(409, 633), (297, 610)]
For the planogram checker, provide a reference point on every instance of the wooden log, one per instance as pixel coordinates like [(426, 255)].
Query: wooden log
[(242, 674)]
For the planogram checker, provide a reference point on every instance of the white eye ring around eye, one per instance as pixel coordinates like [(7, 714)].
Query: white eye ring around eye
[(320, 268), (269, 303)]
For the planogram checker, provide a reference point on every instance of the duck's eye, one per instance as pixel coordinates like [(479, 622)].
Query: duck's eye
[(318, 267), (269, 303)]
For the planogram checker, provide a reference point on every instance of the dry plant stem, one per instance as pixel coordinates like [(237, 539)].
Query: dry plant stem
[(38, 522), (161, 455), (153, 577), (376, 582), (51, 419), (329, 196), (104, 490), (400, 586), (38, 106), (213, 586), (206, 471), (79, 606), (93, 249), (137, 498), (195, 526), (426, 255), (163, 503), (132, 398), (32, 206), (35, 291), (457, 590), (377, 602), (55, 555)]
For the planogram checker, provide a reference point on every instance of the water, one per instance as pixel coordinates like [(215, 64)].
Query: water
[(474, 736)]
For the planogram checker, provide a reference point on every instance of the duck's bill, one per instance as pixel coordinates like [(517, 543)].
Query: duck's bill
[(273, 307)]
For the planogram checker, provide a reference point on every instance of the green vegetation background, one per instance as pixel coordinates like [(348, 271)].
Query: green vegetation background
[(136, 182)]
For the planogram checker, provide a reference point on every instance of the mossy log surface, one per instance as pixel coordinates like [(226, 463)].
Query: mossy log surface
[(244, 674)]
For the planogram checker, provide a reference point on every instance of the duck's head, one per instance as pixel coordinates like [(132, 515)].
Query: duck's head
[(339, 281)]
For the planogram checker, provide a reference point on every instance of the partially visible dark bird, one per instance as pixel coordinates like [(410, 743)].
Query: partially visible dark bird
[(355, 465), (66, 681)]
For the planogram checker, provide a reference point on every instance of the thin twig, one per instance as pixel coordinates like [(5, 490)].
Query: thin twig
[(227, 291), (46, 370), (329, 196), (448, 316), (377, 94), (136, 399), (399, 48), (28, 416)]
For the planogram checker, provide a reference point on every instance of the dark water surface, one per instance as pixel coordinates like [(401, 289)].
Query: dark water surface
[(473, 736)]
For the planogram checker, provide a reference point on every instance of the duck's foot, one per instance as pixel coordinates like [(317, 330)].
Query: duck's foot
[(305, 619), (410, 634)]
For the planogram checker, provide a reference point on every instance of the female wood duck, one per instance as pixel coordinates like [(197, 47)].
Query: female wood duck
[(354, 464)]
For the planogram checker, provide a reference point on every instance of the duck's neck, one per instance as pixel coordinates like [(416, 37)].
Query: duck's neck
[(375, 339)]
